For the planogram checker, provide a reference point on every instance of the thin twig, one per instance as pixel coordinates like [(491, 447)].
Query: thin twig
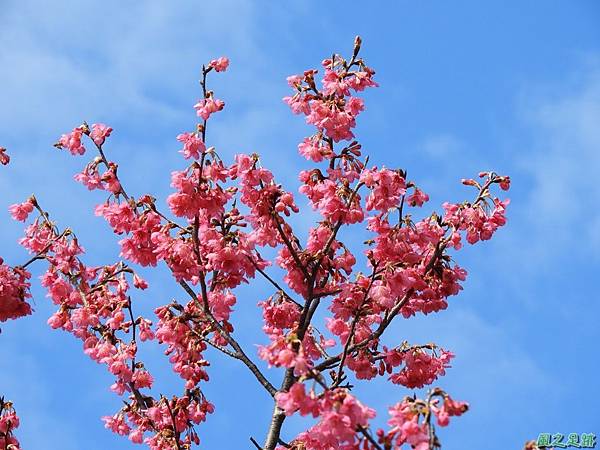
[(274, 283), (241, 355), (256, 444), (370, 438)]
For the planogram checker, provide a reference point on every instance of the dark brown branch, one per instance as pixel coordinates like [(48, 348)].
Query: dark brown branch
[(241, 355), (290, 247), (221, 348), (353, 329), (256, 444), (370, 438), (274, 283), (176, 433), (375, 335)]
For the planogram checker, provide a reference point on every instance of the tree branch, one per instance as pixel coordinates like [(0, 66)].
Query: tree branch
[(274, 283), (241, 355)]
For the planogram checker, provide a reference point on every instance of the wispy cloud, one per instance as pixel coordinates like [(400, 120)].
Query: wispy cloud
[(71, 59), (565, 160)]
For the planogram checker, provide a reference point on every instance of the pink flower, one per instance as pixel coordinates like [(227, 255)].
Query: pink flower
[(334, 83), (340, 414), (111, 182), (116, 320), (4, 158), (138, 246), (136, 436), (478, 223), (417, 198), (120, 216), (9, 422), (420, 368), (219, 64), (312, 148), (221, 304), (72, 141), (362, 80), (142, 379), (192, 145), (226, 214), (449, 408), (139, 282), (294, 80), (298, 104), (57, 320), (505, 183), (14, 291), (90, 177), (146, 333), (194, 195), (21, 211), (116, 424), (99, 133), (296, 399), (206, 107), (387, 187)]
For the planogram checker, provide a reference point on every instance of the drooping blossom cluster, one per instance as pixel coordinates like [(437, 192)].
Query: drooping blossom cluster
[(340, 416), (208, 106), (9, 422), (333, 109), (411, 420), (14, 292), (420, 368), (95, 305), (343, 421), (20, 211), (73, 141), (212, 238), (479, 223)]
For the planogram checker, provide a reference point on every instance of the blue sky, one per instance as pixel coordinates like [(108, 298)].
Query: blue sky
[(465, 86)]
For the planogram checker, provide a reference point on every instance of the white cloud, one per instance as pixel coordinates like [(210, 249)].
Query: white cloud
[(565, 162), (72, 59)]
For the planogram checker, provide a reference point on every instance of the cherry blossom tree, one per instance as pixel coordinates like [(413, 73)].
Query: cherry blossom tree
[(221, 219)]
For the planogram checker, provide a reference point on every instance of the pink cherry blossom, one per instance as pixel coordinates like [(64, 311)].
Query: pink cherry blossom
[(314, 149), (4, 158), (99, 133), (206, 107), (387, 187), (192, 145), (219, 64), (420, 368), (21, 211), (417, 198), (9, 422), (72, 141), (14, 292)]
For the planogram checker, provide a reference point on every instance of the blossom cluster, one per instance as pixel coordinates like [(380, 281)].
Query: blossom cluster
[(14, 292), (219, 222), (410, 420), (95, 305), (9, 421), (340, 416)]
